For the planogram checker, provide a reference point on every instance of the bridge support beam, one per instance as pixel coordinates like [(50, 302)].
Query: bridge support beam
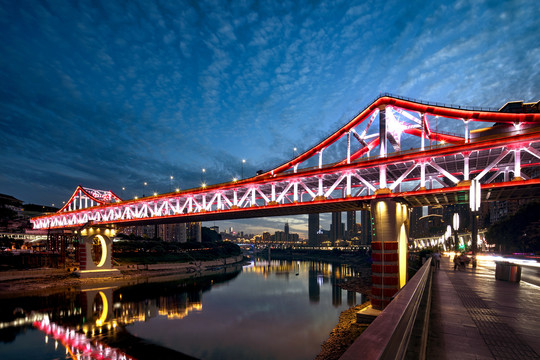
[(95, 251), (389, 250)]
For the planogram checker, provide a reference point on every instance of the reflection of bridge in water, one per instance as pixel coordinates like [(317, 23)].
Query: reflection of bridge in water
[(91, 324), (100, 314)]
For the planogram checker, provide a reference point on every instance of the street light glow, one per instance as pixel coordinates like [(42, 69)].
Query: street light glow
[(456, 221), (475, 193)]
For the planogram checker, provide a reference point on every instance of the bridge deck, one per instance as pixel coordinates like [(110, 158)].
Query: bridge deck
[(474, 316)]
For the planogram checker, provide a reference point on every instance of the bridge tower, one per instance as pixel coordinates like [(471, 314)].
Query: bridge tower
[(389, 250)]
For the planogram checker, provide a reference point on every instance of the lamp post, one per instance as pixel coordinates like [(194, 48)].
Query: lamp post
[(170, 187), (243, 162), (448, 235), (202, 175), (294, 152), (475, 198), (144, 189), (455, 225)]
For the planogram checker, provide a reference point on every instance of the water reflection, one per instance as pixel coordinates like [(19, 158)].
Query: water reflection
[(256, 312)]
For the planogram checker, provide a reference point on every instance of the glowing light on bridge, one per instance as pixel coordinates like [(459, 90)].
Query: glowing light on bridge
[(78, 344), (435, 173)]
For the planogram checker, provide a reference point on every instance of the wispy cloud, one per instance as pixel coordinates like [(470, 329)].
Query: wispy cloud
[(111, 94)]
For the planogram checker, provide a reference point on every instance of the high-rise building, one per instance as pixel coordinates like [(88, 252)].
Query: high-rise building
[(287, 231), (172, 232), (365, 233), (351, 224), (279, 237), (193, 231), (313, 228), (336, 228)]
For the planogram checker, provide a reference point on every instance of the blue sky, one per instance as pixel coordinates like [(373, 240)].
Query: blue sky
[(110, 94)]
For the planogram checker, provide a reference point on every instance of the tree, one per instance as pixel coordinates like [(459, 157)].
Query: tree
[(208, 235), (520, 232)]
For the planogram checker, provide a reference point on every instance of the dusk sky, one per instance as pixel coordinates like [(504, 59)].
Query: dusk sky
[(112, 94)]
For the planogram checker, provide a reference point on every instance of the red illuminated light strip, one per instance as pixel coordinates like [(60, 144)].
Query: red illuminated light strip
[(112, 214), (73, 339), (485, 116)]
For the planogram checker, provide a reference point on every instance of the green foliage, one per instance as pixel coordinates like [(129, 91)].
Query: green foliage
[(517, 233), (152, 252), (208, 235)]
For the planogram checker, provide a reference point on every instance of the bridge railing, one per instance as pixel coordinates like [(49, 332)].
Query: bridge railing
[(434, 103), (401, 328)]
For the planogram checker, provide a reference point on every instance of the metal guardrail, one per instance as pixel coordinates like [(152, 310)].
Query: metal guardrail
[(389, 336)]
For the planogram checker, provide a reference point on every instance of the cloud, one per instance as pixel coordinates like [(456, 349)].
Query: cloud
[(138, 91)]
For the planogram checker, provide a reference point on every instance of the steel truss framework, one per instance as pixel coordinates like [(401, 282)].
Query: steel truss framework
[(504, 158)]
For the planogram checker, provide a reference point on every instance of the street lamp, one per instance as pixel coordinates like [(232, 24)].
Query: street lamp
[(170, 187), (202, 175), (144, 189), (294, 152), (448, 234), (455, 224), (475, 198), (243, 162)]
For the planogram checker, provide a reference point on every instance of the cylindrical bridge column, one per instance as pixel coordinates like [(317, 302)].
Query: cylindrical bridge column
[(389, 250)]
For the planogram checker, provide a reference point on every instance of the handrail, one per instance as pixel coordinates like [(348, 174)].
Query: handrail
[(389, 334)]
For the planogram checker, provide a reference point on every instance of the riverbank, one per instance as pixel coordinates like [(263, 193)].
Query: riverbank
[(343, 334), (46, 281), (347, 328)]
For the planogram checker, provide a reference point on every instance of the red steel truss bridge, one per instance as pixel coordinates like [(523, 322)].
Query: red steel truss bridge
[(420, 153)]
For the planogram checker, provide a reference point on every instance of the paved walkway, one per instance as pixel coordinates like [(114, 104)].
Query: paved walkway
[(474, 316)]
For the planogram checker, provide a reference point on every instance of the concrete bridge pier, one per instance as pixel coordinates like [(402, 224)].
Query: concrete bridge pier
[(95, 251), (390, 220)]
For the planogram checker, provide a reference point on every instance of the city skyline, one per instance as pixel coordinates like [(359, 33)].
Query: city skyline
[(141, 97)]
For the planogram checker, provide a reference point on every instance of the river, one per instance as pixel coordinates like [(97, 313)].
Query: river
[(264, 310)]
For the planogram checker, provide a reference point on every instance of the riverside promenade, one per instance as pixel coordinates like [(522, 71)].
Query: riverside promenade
[(475, 316)]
